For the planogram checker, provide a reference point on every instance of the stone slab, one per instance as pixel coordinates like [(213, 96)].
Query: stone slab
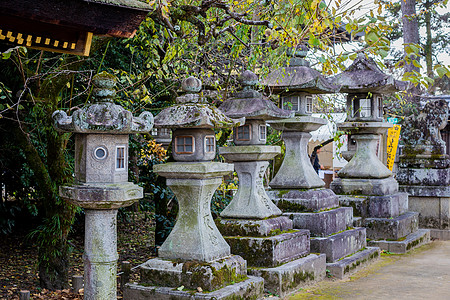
[(304, 201), (413, 240), (376, 206), (249, 152), (102, 196), (192, 274), (370, 187), (434, 212), (256, 228), (252, 288), (193, 170), (426, 191), (428, 177), (291, 276), (271, 251), (323, 223), (440, 234), (353, 263), (341, 244), (391, 228)]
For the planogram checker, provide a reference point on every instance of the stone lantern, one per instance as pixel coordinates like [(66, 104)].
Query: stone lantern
[(298, 190), (101, 179), (252, 223), (194, 255), (365, 183)]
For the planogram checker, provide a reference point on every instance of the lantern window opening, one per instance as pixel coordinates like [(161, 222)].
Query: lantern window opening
[(100, 153), (365, 107), (154, 131), (164, 131), (293, 100), (210, 144), (243, 133), (120, 157), (309, 104), (262, 132), (380, 106), (184, 144)]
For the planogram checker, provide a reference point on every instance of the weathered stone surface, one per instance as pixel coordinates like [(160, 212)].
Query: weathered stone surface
[(434, 212), (341, 244), (353, 263), (426, 191), (251, 200), (251, 289), (296, 171), (190, 170), (440, 234), (255, 228), (291, 276), (249, 153), (323, 223), (209, 276), (358, 186), (392, 229), (271, 251), (365, 162), (413, 240), (100, 254), (376, 206), (199, 152), (91, 169), (298, 124), (427, 177), (422, 161), (102, 196), (304, 200)]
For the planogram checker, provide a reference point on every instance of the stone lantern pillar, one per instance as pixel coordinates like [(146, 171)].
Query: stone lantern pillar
[(101, 179), (194, 256), (365, 183), (252, 224), (297, 189)]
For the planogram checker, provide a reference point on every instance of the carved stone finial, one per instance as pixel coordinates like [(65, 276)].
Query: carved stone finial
[(104, 87), (248, 79), (192, 86)]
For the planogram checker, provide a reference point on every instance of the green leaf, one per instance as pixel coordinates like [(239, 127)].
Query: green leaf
[(180, 288), (441, 71)]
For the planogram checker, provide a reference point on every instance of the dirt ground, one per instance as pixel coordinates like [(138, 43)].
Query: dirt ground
[(423, 273), (18, 256)]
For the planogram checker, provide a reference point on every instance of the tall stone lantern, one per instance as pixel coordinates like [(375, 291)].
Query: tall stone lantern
[(297, 189), (365, 183), (101, 179), (194, 256)]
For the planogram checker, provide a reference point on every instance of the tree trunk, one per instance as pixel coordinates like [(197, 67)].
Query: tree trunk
[(429, 42), (410, 36)]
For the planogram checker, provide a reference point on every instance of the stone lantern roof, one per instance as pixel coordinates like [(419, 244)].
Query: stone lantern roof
[(363, 75), (298, 77), (192, 111), (103, 116), (251, 104)]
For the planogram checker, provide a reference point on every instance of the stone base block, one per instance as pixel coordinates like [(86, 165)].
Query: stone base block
[(413, 240), (376, 206), (434, 212), (424, 176), (353, 263), (256, 228), (252, 288), (304, 201), (439, 234), (323, 223), (209, 276), (391, 229), (371, 187), (271, 251), (290, 277), (341, 244)]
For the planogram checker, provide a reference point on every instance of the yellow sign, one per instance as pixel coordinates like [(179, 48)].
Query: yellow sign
[(392, 143)]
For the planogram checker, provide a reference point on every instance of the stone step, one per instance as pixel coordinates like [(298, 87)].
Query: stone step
[(386, 206), (291, 276), (323, 223), (341, 244), (353, 263), (413, 240), (304, 201), (255, 228), (252, 288), (391, 229), (270, 251)]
